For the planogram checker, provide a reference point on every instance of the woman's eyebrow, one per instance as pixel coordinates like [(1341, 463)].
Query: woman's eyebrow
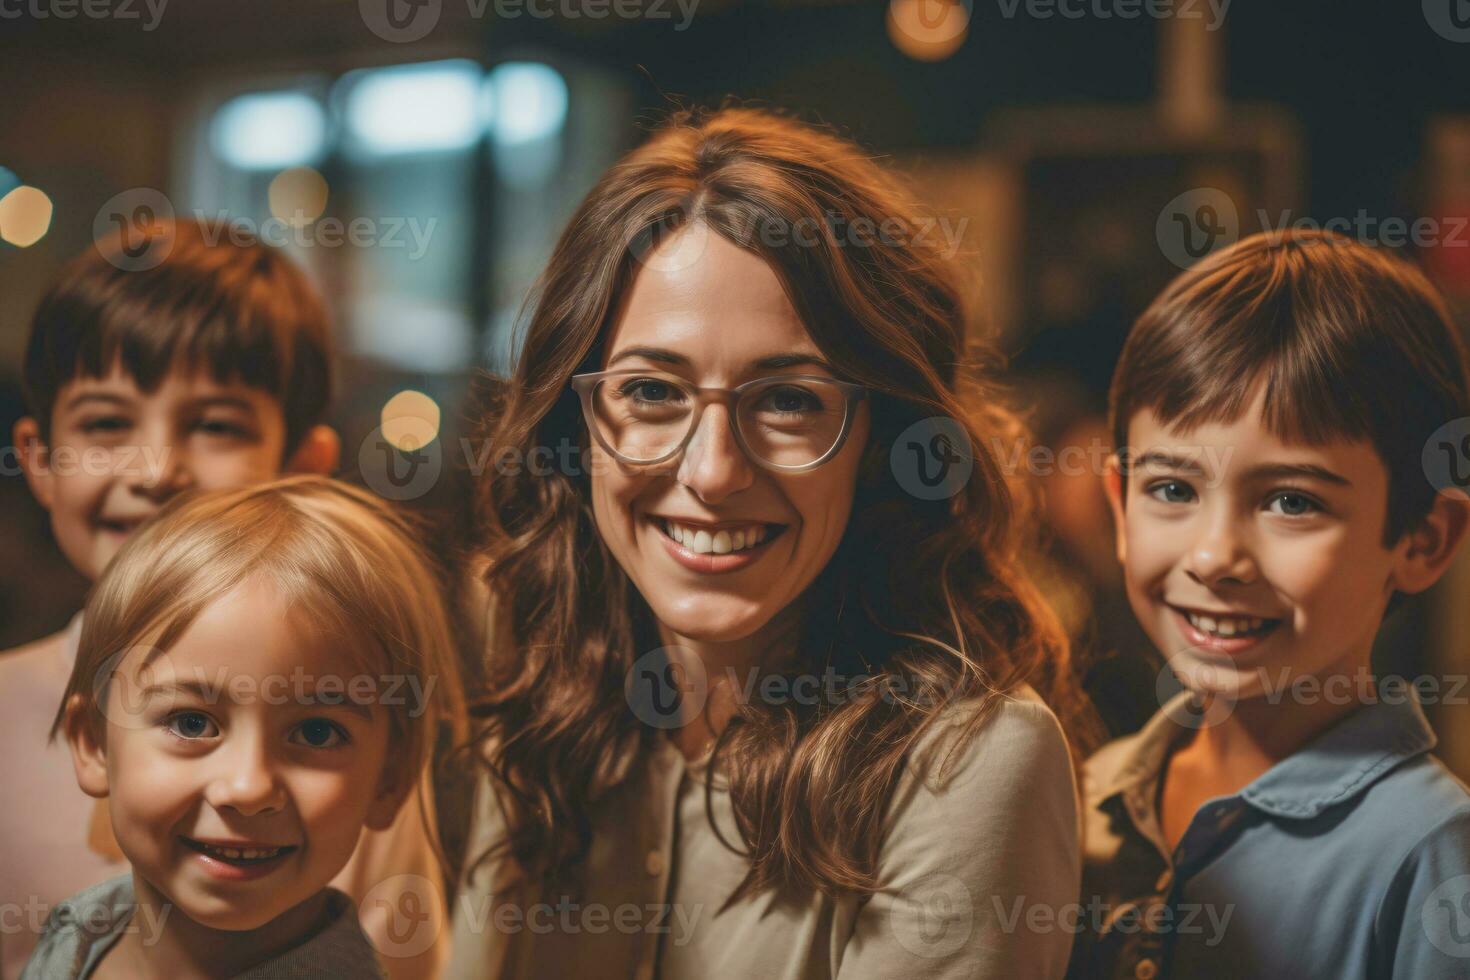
[(665, 356)]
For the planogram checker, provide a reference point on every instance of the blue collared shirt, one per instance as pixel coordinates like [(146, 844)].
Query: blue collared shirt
[(1350, 858)]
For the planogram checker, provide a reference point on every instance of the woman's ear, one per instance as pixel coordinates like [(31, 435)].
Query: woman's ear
[(33, 458), (1114, 485), (88, 746), (319, 452), (1432, 545)]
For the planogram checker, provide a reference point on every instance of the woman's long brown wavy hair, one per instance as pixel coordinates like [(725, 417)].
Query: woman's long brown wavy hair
[(925, 599)]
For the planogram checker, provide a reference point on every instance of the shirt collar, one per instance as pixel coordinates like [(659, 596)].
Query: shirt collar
[(1332, 768), (1143, 758), (1344, 760)]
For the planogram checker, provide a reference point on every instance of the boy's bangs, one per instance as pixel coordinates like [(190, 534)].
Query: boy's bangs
[(192, 333)]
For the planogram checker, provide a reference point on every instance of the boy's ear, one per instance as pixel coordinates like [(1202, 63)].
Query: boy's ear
[(88, 748), (34, 459), (319, 452), (1113, 485), (1432, 545)]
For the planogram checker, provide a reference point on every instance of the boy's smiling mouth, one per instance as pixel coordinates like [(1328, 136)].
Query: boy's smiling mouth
[(1222, 631)]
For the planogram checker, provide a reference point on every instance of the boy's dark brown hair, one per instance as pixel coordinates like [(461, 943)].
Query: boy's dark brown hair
[(1351, 342), (241, 311)]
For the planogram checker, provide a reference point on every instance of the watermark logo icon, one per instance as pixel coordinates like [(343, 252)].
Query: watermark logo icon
[(1196, 223), (404, 905), (666, 687), (1446, 457), (127, 229), (932, 459), (935, 918), (404, 468), (1446, 917), (1450, 19), (400, 21)]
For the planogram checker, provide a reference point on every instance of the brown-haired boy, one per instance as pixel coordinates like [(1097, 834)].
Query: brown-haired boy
[(207, 369), (1282, 816)]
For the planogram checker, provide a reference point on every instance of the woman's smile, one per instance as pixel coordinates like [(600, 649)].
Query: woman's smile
[(715, 548)]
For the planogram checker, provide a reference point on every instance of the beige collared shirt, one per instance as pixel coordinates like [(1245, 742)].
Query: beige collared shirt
[(964, 864)]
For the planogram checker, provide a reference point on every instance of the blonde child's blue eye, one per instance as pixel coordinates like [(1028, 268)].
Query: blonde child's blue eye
[(319, 733), (192, 725)]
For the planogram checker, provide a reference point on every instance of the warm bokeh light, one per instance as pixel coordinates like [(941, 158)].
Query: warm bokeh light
[(410, 420), (298, 196), (928, 30), (25, 216)]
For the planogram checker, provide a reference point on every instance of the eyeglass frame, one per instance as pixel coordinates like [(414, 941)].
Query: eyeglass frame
[(585, 384)]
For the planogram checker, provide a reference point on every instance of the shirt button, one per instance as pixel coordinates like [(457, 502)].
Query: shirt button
[(654, 863), (1146, 970)]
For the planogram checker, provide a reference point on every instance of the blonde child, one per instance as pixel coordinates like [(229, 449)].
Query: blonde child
[(261, 674)]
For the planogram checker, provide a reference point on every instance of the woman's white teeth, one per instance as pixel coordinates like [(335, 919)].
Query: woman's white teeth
[(1225, 625), (721, 542)]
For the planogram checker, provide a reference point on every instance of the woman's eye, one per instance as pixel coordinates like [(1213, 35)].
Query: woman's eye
[(192, 725), (1292, 504), (651, 391), (790, 401), (1172, 492), (318, 733)]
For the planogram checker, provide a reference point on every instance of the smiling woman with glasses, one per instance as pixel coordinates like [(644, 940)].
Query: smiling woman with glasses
[(761, 702)]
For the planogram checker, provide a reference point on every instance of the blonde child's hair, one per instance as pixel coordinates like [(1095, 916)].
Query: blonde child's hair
[(343, 556)]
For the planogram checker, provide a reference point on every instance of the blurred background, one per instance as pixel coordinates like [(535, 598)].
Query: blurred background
[(419, 157)]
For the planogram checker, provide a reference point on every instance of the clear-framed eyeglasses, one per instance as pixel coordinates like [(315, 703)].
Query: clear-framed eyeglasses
[(789, 423)]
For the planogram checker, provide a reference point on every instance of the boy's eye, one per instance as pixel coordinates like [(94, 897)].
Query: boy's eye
[(1172, 492), (191, 725), (319, 733), (1290, 504), (223, 427), (105, 424)]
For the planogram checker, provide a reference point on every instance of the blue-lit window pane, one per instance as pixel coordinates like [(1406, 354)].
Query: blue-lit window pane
[(269, 131), (526, 109), (424, 108), (528, 102)]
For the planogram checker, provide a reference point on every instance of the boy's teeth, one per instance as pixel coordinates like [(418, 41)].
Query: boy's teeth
[(721, 542), (1225, 625)]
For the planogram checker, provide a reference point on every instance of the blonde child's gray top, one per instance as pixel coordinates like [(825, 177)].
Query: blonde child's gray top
[(81, 930), (974, 873)]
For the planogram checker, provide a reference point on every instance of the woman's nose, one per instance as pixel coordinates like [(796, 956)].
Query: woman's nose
[(713, 465)]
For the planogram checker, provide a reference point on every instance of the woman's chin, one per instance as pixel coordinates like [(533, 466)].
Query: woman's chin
[(711, 622)]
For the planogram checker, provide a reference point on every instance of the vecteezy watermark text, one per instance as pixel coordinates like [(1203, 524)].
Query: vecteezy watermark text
[(122, 10), (406, 21)]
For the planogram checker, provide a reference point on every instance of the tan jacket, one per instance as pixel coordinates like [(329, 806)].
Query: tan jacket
[(963, 865)]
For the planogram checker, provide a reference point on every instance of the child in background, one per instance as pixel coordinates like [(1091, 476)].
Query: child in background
[(262, 672), (208, 370), (1282, 816)]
